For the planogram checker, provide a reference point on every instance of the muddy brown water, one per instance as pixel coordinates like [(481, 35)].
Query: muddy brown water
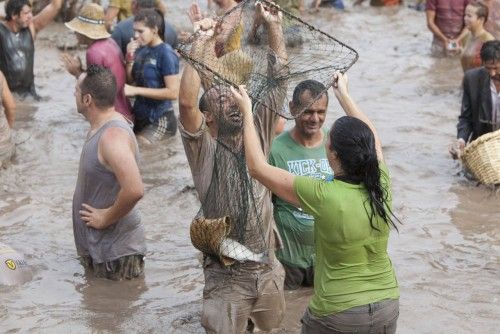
[(446, 254)]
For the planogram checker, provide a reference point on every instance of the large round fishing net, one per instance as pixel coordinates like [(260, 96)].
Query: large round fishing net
[(239, 50)]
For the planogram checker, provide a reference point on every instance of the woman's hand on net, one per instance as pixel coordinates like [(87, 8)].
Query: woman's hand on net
[(243, 100), (339, 84)]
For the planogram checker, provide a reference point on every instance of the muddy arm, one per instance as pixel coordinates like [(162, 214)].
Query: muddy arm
[(46, 16)]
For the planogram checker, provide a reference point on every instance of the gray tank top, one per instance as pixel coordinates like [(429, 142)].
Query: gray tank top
[(17, 52), (98, 187)]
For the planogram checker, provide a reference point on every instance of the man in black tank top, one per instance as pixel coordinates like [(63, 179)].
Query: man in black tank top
[(17, 36)]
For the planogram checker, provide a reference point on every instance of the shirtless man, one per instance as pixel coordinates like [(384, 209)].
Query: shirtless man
[(17, 37)]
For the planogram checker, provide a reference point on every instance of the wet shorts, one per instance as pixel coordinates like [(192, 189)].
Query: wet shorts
[(126, 267), (165, 126), (231, 296), (378, 317)]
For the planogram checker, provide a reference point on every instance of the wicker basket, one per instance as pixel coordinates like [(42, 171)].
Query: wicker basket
[(482, 158)]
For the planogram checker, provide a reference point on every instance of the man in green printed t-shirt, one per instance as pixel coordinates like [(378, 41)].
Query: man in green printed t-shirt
[(301, 151)]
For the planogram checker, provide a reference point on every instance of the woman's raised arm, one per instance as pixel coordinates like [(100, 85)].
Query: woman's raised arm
[(279, 181), (351, 109)]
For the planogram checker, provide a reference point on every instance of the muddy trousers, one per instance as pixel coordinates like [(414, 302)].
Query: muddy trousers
[(232, 296), (376, 318)]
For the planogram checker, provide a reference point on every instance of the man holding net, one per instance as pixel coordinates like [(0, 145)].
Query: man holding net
[(252, 286)]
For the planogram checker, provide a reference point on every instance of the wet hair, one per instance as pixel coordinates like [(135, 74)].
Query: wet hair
[(152, 18), (354, 143), (490, 51), (205, 103), (313, 86), (14, 7), (100, 83), (482, 10)]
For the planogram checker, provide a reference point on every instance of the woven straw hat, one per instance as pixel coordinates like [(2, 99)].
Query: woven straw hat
[(90, 22)]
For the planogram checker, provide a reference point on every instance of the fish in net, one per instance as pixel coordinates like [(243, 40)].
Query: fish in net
[(238, 54), (234, 222)]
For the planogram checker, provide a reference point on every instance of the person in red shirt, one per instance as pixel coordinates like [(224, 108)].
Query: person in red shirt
[(445, 19), (90, 30)]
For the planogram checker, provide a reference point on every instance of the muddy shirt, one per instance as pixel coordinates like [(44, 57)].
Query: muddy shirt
[(98, 187), (16, 58), (205, 154)]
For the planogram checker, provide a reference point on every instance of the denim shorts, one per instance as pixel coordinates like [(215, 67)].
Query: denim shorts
[(375, 318)]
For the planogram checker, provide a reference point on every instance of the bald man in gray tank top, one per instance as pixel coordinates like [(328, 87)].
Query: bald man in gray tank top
[(109, 235)]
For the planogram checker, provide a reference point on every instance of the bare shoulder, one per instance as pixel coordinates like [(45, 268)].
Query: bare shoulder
[(116, 135), (116, 148), (116, 139)]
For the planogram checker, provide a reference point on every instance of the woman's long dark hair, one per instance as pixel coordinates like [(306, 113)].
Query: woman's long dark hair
[(354, 143), (152, 18)]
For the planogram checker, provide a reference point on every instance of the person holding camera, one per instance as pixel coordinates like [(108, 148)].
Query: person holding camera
[(445, 19)]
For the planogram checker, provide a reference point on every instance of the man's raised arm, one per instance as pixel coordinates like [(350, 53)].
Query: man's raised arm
[(46, 16), (272, 19), (189, 114), (264, 117)]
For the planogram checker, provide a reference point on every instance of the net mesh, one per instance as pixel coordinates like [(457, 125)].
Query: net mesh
[(238, 54), (233, 222)]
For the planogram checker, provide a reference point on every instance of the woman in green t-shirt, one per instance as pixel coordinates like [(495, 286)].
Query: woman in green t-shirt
[(355, 287)]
